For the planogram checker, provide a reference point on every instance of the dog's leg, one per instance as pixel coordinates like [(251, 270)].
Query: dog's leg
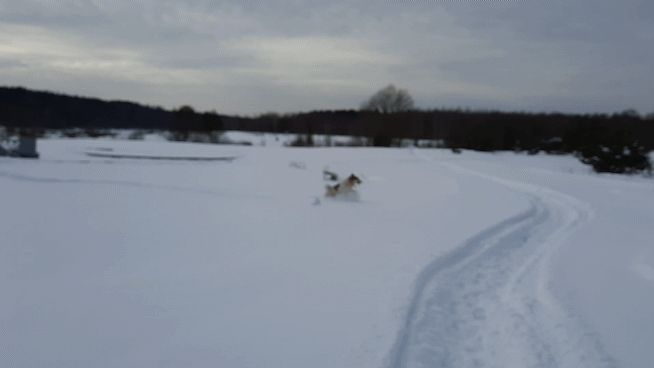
[(330, 191)]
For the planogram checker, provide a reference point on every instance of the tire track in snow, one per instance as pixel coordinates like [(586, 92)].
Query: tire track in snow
[(135, 184), (487, 304)]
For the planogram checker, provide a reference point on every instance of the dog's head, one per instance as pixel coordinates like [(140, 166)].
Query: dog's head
[(353, 179)]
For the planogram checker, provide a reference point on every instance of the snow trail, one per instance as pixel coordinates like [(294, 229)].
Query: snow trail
[(487, 303)]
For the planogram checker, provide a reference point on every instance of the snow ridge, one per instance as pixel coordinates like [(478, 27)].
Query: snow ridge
[(487, 304)]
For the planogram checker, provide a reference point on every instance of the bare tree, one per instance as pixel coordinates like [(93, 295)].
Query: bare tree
[(388, 100)]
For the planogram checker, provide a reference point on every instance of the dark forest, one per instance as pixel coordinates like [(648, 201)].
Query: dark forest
[(31, 112)]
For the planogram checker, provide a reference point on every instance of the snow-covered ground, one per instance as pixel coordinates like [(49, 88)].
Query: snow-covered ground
[(492, 260)]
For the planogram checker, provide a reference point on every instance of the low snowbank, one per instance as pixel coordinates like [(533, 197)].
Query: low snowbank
[(147, 263), (133, 263), (604, 273)]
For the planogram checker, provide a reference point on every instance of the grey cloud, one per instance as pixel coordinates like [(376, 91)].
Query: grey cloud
[(76, 16), (299, 55), (207, 62), (598, 22), (126, 24), (11, 64)]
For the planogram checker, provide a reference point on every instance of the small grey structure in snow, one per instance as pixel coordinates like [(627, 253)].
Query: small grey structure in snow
[(26, 148)]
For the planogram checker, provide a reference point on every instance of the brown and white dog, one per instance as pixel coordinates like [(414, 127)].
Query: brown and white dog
[(343, 188)]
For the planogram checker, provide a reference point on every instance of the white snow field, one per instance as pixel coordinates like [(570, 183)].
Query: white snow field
[(226, 258)]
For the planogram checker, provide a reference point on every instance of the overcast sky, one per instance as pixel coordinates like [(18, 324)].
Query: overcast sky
[(251, 57)]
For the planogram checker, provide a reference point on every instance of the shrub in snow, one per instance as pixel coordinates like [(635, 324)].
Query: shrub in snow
[(617, 158), (302, 141), (553, 145), (382, 140), (195, 136), (354, 141), (136, 135)]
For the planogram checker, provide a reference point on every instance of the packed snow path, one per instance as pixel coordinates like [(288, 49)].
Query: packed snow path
[(486, 304)]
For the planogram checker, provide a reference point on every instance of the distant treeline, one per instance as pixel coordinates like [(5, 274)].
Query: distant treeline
[(20, 107), (455, 128), (479, 130)]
